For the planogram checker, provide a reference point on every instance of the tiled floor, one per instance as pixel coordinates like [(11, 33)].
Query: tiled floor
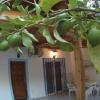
[(66, 97), (94, 98), (63, 96)]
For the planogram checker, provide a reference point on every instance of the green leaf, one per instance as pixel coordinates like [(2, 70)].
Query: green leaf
[(95, 56), (80, 25), (77, 3), (85, 1), (38, 10), (26, 20), (18, 50), (80, 34), (1, 1), (22, 9), (53, 20), (3, 35), (63, 44), (73, 3), (16, 3), (80, 3), (58, 37), (36, 19), (19, 21), (31, 50), (6, 26), (30, 35), (47, 35), (27, 41), (3, 7), (46, 5), (66, 46), (90, 24)]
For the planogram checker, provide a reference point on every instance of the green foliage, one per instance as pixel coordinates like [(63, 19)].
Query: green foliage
[(16, 3), (47, 35), (31, 50), (63, 44), (66, 46), (14, 32), (18, 21), (38, 10), (73, 3), (55, 19), (14, 39), (4, 45), (27, 42), (77, 3), (22, 9), (3, 7), (6, 26), (30, 35), (18, 50), (46, 5), (58, 37), (64, 25), (95, 56), (3, 35)]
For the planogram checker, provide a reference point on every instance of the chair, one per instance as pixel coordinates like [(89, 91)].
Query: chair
[(91, 91), (71, 88), (98, 90), (88, 93)]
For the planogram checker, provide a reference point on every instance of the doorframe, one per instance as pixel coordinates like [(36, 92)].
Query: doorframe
[(27, 76), (64, 66)]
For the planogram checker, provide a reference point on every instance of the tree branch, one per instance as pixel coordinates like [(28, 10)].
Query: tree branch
[(74, 9), (29, 2), (3, 2)]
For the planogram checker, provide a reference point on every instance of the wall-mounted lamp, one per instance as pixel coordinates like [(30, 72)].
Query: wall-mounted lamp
[(18, 55), (53, 53)]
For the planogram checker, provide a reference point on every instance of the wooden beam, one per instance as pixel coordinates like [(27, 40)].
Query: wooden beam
[(80, 74), (11, 14)]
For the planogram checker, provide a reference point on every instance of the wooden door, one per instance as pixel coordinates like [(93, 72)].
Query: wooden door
[(18, 78)]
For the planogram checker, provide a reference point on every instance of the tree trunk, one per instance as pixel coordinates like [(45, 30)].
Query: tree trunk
[(80, 74)]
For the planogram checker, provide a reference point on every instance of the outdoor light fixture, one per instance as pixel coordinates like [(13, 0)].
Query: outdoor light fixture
[(18, 55), (53, 53)]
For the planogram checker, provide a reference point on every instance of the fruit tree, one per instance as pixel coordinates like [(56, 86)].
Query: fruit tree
[(81, 16)]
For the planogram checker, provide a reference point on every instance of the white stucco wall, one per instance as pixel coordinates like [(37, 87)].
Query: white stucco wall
[(90, 72), (36, 87)]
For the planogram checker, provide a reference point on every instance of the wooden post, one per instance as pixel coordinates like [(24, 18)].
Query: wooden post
[(80, 74)]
